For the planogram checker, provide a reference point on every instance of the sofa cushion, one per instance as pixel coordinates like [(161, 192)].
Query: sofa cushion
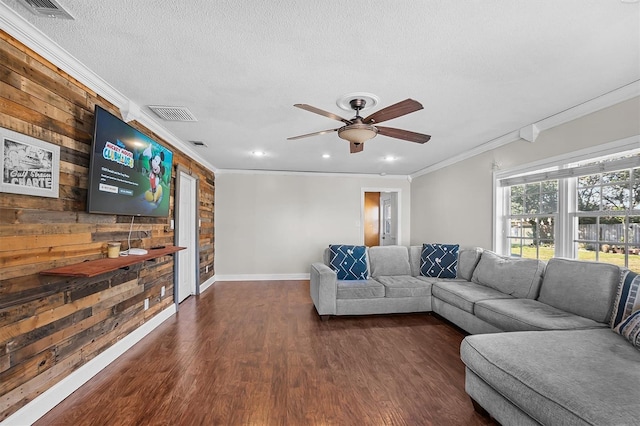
[(467, 261), (439, 260), (580, 287), (349, 262), (529, 315), (414, 260), (561, 377), (464, 294), (434, 280), (628, 297), (514, 276), (389, 260), (359, 289), (630, 328), (405, 286)]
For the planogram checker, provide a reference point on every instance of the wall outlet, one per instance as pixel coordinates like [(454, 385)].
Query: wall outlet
[(206, 269), (172, 224), (162, 291), (146, 303)]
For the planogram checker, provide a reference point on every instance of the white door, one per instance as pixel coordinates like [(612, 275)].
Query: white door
[(388, 224), (187, 236)]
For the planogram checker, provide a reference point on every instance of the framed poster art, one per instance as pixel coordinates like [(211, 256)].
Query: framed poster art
[(29, 166)]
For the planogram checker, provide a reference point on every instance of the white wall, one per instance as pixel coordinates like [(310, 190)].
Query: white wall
[(454, 204), (270, 224)]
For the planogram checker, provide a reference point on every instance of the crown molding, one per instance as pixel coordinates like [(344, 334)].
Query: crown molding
[(488, 146), (18, 27), (606, 100), (317, 174)]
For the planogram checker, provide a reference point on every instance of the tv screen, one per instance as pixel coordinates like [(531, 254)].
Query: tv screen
[(129, 173)]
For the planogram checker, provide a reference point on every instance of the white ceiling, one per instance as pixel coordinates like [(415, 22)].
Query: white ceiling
[(482, 69)]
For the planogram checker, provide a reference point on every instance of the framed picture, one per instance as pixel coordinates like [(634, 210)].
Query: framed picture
[(29, 166)]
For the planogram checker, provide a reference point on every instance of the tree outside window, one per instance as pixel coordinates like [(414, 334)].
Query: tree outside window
[(533, 209), (608, 216)]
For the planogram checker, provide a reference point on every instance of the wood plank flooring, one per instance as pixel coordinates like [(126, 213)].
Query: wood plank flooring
[(256, 353)]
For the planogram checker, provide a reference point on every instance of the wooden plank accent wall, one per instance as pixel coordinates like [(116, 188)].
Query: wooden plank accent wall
[(50, 326)]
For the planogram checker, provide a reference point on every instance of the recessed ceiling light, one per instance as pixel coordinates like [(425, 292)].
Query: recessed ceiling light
[(326, 156), (389, 158), (259, 153)]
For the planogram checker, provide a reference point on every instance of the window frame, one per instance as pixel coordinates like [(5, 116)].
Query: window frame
[(527, 215), (566, 218)]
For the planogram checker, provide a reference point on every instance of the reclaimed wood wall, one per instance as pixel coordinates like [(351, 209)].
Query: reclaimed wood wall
[(50, 326)]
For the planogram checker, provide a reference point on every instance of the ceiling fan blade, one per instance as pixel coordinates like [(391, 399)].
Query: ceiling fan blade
[(355, 147), (394, 111), (323, 112), (311, 134), (403, 134)]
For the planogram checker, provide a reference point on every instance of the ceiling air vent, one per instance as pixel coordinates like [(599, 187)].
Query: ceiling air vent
[(199, 143), (171, 113), (46, 8)]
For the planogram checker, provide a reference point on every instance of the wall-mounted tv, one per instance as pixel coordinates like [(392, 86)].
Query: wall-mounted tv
[(129, 173)]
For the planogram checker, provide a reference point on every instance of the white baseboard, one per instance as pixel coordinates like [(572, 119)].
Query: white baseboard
[(252, 277), (208, 283), (37, 408), (262, 277)]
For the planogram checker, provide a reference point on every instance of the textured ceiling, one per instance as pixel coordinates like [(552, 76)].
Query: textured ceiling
[(481, 69)]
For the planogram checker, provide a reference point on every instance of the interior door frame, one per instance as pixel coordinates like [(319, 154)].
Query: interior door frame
[(393, 202), (398, 192), (176, 264)]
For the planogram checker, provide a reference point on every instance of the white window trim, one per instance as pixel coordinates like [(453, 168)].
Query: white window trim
[(567, 248)]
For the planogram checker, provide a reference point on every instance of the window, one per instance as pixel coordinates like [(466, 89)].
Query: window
[(587, 209), (608, 216), (533, 211)]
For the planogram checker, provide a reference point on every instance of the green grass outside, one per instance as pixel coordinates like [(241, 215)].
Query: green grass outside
[(547, 253)]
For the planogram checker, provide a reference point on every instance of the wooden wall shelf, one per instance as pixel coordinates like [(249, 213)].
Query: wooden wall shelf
[(92, 268)]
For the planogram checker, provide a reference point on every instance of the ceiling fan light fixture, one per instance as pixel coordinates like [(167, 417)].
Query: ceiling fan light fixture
[(358, 130), (357, 133)]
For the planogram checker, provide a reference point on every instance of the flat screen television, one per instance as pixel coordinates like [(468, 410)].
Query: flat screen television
[(129, 173)]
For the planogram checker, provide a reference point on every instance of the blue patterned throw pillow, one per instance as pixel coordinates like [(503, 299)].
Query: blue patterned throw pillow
[(439, 260), (630, 328), (628, 298), (349, 262)]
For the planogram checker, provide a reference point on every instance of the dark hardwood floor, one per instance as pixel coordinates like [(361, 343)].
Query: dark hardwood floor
[(256, 353)]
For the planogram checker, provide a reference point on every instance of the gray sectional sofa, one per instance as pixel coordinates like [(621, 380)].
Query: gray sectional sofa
[(560, 363), (394, 286)]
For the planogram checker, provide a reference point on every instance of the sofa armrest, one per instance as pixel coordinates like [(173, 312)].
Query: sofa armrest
[(323, 288)]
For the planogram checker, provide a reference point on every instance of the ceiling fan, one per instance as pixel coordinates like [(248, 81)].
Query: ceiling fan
[(358, 130)]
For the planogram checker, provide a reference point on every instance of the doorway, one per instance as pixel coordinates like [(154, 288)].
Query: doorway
[(371, 219), (380, 216), (186, 206)]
